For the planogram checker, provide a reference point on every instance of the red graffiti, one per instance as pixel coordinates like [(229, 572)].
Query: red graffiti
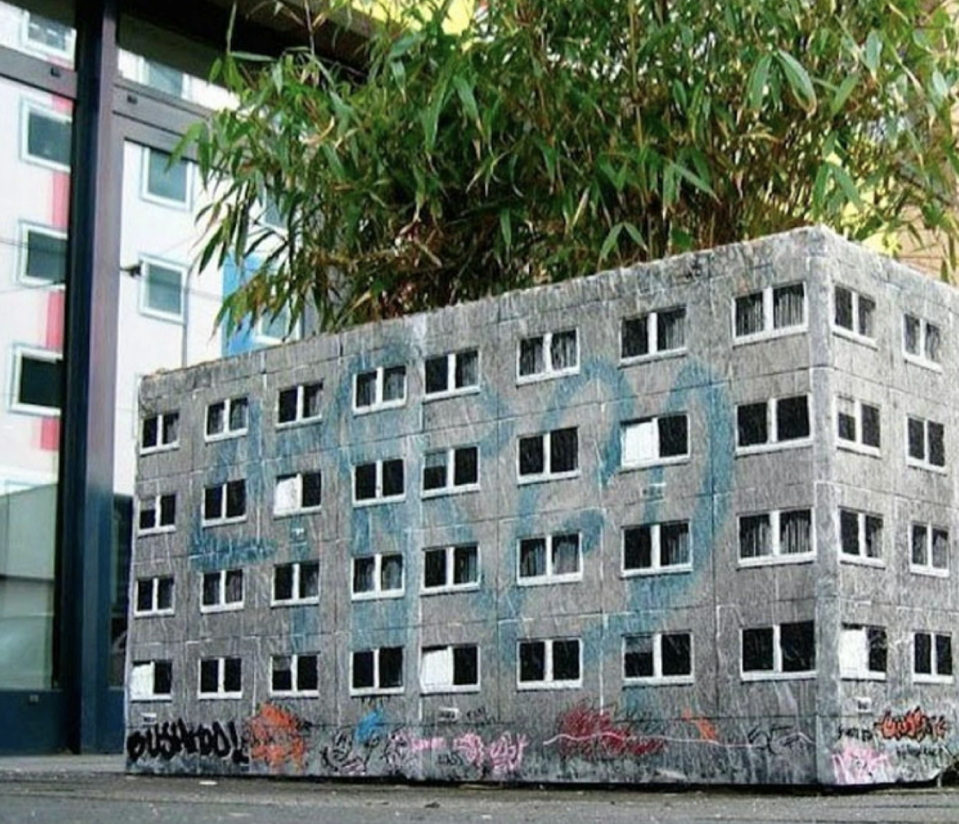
[(593, 734), (915, 725), (705, 728), (276, 737)]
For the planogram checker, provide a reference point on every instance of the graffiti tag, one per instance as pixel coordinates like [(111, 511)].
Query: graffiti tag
[(172, 738)]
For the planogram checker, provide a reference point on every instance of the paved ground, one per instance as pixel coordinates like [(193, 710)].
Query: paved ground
[(72, 790)]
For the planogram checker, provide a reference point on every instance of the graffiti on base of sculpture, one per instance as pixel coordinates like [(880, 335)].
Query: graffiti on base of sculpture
[(172, 738), (593, 734)]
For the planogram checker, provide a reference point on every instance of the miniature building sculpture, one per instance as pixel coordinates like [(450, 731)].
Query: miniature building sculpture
[(689, 521)]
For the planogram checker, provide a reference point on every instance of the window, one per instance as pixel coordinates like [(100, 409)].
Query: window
[(784, 650), (448, 568), (377, 671), (857, 425), (776, 536), (162, 78), (272, 328), (549, 455), (453, 373), (925, 444), (552, 354), (159, 432), (776, 422), (294, 675), (652, 441), (299, 492), (860, 535), (227, 419), (47, 138), (379, 389), (297, 583), (379, 481), (224, 503), (863, 652), (661, 657), (300, 404), (44, 258), (930, 550), (151, 680), (221, 590), (551, 663), (377, 576), (157, 514), (652, 548), (163, 180), (37, 380), (49, 36), (221, 678), (773, 311), (449, 669), (550, 559), (162, 290), (154, 596), (921, 341), (652, 334), (451, 470), (931, 657), (854, 313)]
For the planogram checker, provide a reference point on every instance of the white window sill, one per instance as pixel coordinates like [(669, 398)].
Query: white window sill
[(223, 521), (152, 613), (449, 490), (451, 589), (858, 448), (379, 407), (918, 678), (305, 510), (392, 499), (854, 337), (389, 595), (778, 560), (365, 692), (924, 363), (159, 699), (929, 572), (660, 681), (862, 676), (212, 609), (778, 446), (651, 572), (532, 686), (912, 463), (634, 360), (451, 393), (168, 202), (771, 334), (298, 422), (159, 314), (294, 602), (523, 480), (546, 580), (153, 450), (226, 436), (157, 530), (777, 676), (540, 377), (219, 696), (656, 462), (861, 560), (37, 411), (295, 693), (46, 164), (449, 689)]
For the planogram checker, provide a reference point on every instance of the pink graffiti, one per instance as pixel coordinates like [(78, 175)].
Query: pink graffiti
[(506, 754), (470, 746), (591, 733), (856, 764)]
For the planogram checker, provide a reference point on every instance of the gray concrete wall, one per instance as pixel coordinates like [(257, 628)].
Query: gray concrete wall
[(718, 725)]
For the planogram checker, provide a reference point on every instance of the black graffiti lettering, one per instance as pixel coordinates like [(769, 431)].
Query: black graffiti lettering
[(167, 740)]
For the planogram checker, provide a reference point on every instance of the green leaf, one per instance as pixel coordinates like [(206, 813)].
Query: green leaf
[(612, 237), (506, 228), (842, 93), (799, 81), (758, 78), (873, 52), (464, 89)]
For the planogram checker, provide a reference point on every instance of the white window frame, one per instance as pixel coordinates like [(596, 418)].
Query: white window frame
[(776, 555), (550, 577), (145, 193), (297, 585), (221, 691), (655, 538), (777, 673), (161, 445), (928, 568), (451, 488), (376, 689), (261, 337), (548, 682), (653, 352), (448, 688), (451, 362), (35, 353), (657, 460), (768, 332), (222, 605), (156, 501), (657, 678), (378, 403), (145, 309), (921, 359), (26, 229), (450, 556), (32, 46), (859, 670), (295, 661), (860, 557), (924, 462), (224, 518), (547, 474), (154, 608), (856, 299), (150, 668), (549, 371), (28, 107), (857, 445), (378, 593), (774, 444), (301, 417), (227, 432), (298, 489), (379, 498), (934, 677)]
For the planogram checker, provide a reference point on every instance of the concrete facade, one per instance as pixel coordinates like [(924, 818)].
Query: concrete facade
[(723, 558)]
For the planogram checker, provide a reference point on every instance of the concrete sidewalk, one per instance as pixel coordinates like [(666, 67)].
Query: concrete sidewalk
[(20, 765)]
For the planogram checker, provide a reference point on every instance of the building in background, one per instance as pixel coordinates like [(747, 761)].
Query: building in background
[(97, 237)]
